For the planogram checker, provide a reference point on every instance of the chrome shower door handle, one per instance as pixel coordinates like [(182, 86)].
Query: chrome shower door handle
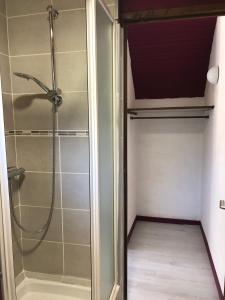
[(222, 204)]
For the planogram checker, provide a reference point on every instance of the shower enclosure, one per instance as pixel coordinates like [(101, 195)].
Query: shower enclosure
[(59, 133)]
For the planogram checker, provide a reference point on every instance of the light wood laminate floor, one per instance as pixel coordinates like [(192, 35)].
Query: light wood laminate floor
[(169, 262)]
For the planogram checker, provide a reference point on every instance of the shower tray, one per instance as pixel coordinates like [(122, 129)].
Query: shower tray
[(35, 289)]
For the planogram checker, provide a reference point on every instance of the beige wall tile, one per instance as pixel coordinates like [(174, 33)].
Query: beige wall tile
[(2, 7), (73, 114), (66, 26), (5, 73), (29, 35), (38, 66), (76, 226), (72, 71), (32, 112), (68, 4), (10, 151), (35, 153), (16, 232), (74, 154), (17, 260), (3, 35), (47, 258), (15, 186), (75, 191), (23, 7), (35, 217), (77, 261), (8, 112), (36, 190)]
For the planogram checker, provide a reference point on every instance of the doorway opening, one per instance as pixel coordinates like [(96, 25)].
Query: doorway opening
[(173, 171)]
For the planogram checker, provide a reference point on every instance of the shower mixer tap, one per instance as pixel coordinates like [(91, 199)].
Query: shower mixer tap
[(14, 171)]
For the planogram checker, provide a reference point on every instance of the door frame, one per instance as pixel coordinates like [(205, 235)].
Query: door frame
[(93, 143), (125, 164)]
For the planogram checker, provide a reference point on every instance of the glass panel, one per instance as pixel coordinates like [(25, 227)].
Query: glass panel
[(48, 164), (105, 118)]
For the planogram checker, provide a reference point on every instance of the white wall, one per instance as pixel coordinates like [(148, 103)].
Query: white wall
[(213, 218), (131, 156), (166, 102), (169, 168), (164, 161)]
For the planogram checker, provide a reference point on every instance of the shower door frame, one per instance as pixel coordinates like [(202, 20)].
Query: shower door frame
[(7, 267), (94, 159)]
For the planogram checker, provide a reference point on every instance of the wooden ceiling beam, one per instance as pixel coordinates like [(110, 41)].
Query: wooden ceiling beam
[(176, 13)]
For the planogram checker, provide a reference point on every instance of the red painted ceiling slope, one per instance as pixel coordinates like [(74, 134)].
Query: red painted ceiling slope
[(170, 59), (139, 5)]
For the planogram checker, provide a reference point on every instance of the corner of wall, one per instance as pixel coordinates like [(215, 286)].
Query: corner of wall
[(131, 148), (214, 160)]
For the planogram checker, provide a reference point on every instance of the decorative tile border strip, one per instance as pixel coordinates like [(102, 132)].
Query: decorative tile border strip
[(79, 133)]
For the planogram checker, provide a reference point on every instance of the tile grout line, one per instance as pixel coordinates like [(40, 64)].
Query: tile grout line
[(56, 208), (61, 198), (28, 15), (48, 136), (71, 9), (45, 12), (57, 242), (58, 172), (64, 92), (77, 209), (60, 180), (4, 54), (14, 124), (47, 133), (47, 53), (47, 130)]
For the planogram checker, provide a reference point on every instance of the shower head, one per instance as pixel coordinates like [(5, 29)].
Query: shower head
[(22, 75), (38, 82), (53, 95)]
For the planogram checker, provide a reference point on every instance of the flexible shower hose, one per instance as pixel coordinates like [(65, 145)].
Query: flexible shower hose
[(45, 227)]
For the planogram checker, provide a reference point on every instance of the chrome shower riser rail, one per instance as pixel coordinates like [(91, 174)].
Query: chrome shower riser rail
[(53, 14), (54, 96)]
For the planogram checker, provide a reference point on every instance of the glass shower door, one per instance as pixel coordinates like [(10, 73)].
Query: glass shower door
[(101, 127), (106, 163)]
